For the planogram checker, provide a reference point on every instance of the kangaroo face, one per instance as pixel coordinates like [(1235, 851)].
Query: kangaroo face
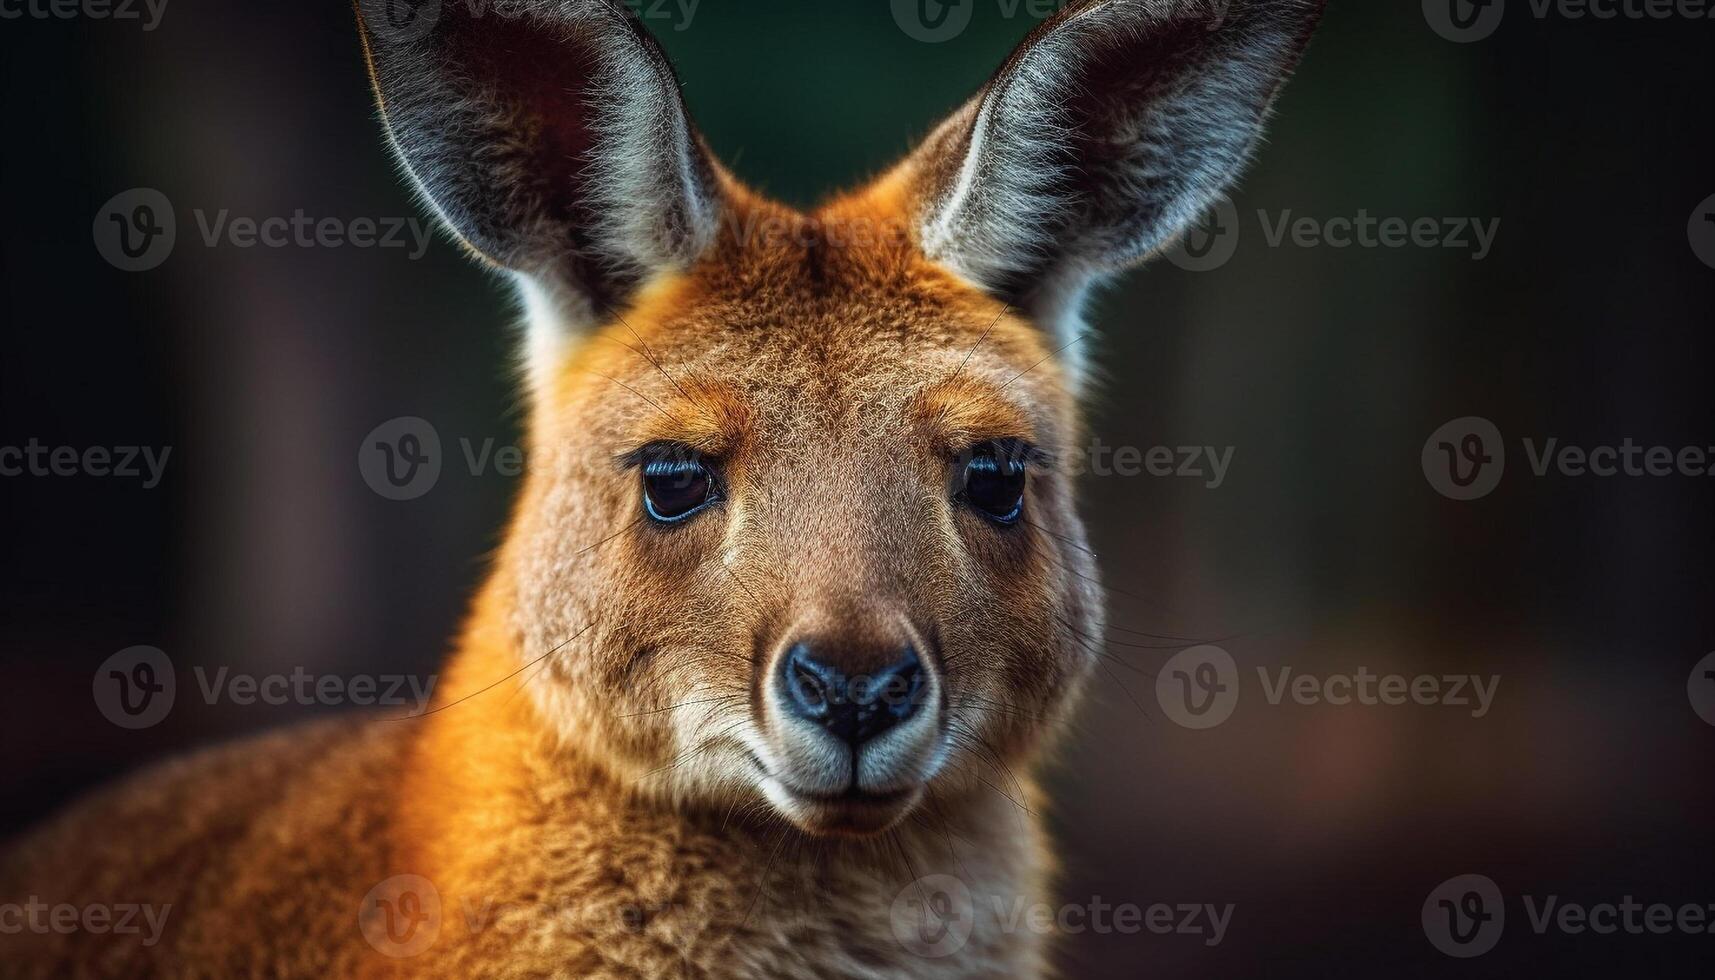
[(798, 526), (836, 559)]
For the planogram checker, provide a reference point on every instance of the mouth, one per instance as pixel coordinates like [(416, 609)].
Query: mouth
[(852, 813)]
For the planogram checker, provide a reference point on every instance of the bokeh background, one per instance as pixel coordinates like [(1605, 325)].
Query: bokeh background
[(1325, 369)]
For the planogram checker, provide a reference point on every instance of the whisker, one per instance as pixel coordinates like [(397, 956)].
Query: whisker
[(649, 356), (965, 771), (1062, 537), (682, 704), (706, 744), (934, 807), (508, 677), (762, 882), (910, 869), (968, 354), (1041, 360), (634, 522), (1096, 648), (641, 395), (1112, 591), (976, 743)]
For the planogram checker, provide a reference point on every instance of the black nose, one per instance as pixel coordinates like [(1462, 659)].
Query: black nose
[(854, 707)]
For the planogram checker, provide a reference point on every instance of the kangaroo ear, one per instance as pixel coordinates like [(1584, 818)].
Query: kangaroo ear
[(550, 137), (1103, 136)]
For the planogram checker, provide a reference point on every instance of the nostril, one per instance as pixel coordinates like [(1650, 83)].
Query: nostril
[(857, 707), (810, 685), (899, 689)]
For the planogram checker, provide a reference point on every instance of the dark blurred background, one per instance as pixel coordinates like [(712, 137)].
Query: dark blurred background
[(1325, 369)]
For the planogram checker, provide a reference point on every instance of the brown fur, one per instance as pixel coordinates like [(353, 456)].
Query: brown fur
[(599, 791), (599, 833)]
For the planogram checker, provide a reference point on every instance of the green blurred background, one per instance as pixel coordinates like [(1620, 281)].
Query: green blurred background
[(1324, 369)]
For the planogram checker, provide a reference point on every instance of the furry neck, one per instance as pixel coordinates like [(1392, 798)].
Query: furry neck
[(519, 833)]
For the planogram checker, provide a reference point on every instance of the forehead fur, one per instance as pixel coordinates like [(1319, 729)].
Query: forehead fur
[(833, 318)]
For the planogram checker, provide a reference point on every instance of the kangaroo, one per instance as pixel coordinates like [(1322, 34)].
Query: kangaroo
[(794, 600)]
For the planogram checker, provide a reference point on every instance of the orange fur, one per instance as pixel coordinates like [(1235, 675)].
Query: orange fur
[(559, 834), (608, 785)]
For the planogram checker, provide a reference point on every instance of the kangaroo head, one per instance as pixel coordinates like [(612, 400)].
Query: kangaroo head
[(797, 525)]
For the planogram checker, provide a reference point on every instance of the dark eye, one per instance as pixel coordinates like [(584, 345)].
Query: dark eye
[(994, 481), (676, 484)]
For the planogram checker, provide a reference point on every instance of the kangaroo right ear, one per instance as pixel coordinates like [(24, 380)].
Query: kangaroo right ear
[(1106, 133), (550, 136)]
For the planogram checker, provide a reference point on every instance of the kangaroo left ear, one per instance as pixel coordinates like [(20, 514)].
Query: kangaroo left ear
[(1104, 135)]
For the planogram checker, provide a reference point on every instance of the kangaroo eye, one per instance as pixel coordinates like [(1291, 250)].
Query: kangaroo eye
[(677, 485), (994, 481)]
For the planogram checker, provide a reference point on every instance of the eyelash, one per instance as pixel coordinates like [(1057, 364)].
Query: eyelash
[(667, 462)]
